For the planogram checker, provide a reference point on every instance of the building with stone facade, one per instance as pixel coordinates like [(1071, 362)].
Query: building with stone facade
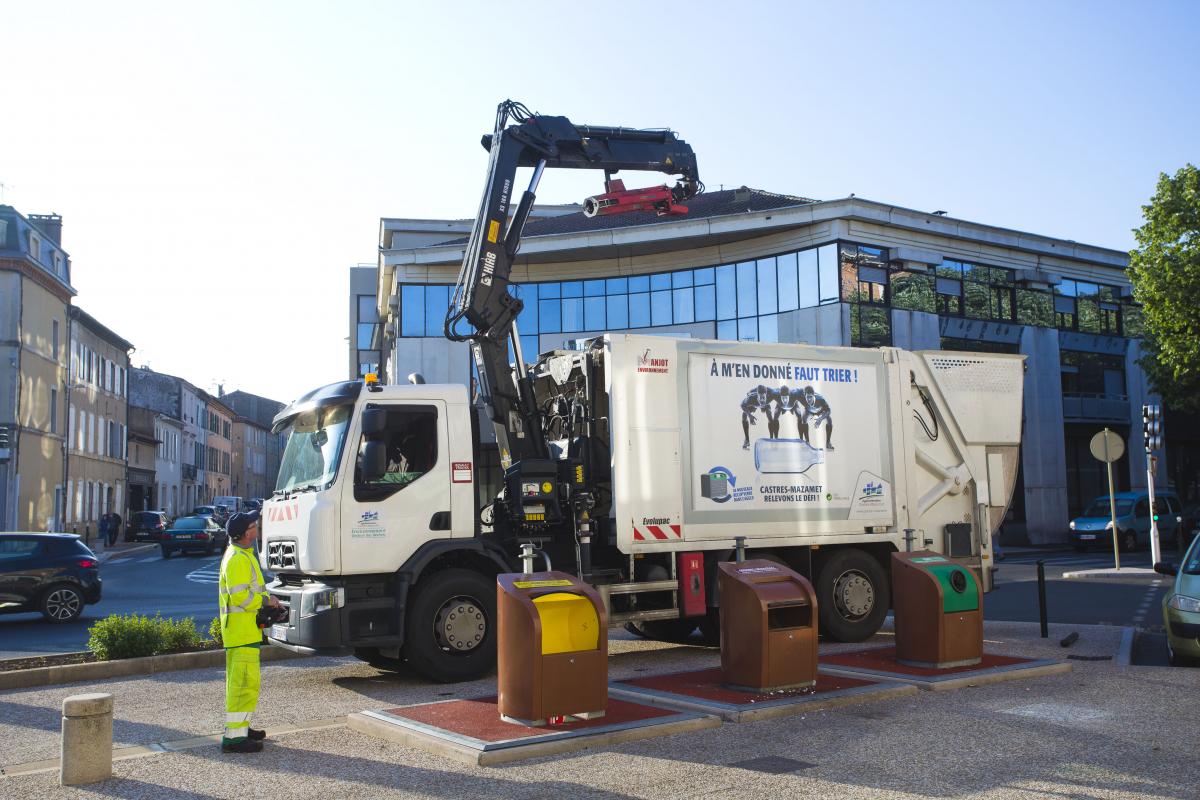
[(174, 398), (98, 419), (168, 436), (35, 292), (250, 478), (260, 411), (753, 265), (140, 458), (218, 461)]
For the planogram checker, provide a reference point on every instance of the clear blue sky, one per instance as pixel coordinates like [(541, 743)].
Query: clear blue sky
[(220, 166)]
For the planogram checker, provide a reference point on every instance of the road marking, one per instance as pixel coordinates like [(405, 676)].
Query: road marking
[(151, 558), (210, 573), (1144, 606), (119, 561)]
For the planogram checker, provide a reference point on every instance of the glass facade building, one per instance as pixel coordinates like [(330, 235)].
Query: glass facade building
[(849, 272)]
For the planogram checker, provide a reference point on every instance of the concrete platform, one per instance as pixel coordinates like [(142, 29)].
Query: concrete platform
[(880, 663), (1130, 574), (471, 731), (702, 690)]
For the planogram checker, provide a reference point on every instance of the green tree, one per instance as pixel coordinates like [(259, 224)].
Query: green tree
[(1165, 271)]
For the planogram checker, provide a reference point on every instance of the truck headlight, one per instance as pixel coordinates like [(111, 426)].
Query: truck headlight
[(1181, 602), (313, 603)]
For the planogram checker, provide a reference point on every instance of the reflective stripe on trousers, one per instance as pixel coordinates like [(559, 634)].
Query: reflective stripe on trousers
[(242, 681)]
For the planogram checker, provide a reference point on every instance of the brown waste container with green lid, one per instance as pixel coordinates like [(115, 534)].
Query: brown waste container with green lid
[(552, 648), (768, 626), (938, 611)]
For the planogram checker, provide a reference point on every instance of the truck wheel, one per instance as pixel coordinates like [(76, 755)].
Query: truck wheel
[(852, 596), (450, 632)]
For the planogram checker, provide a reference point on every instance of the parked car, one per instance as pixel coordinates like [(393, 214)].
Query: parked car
[(1181, 607), (218, 513), (194, 533), (54, 573), (145, 525), (1094, 525)]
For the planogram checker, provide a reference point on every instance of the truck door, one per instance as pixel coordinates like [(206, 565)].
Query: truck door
[(389, 518)]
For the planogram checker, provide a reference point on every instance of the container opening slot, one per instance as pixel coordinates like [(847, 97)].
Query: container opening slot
[(797, 615)]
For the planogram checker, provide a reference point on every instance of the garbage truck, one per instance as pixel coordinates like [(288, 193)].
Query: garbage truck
[(637, 462)]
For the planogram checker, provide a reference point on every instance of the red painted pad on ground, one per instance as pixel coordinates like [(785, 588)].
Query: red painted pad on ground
[(479, 718), (706, 684), (883, 659)]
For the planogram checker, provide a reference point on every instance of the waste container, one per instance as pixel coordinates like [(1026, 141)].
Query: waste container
[(938, 611), (552, 648), (768, 626)]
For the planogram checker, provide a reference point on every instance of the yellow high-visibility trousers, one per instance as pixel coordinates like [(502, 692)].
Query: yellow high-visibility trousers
[(242, 681)]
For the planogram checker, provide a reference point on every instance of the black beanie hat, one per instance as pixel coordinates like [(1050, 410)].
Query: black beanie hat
[(238, 524)]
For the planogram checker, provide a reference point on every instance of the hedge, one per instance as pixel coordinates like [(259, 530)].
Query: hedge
[(132, 636)]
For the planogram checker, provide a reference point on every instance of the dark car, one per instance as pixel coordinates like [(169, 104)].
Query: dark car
[(145, 525), (193, 533), (54, 573)]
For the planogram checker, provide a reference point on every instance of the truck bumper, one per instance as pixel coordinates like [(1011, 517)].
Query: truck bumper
[(309, 629)]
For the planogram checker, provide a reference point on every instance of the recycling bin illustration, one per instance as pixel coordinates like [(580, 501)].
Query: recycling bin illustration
[(552, 648), (938, 608), (768, 626)]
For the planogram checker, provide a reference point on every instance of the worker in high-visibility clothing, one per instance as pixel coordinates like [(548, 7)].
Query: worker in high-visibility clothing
[(242, 592)]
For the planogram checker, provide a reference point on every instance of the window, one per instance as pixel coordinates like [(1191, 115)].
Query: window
[(411, 445), (914, 291), (870, 326), (368, 311), (53, 410), (54, 340), (35, 247), (1035, 308)]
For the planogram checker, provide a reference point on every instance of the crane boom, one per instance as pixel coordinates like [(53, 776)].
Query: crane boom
[(482, 296)]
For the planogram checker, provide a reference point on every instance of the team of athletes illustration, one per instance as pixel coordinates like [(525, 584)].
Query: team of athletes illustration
[(808, 407)]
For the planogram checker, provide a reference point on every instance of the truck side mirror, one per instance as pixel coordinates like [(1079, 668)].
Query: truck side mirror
[(374, 423), (374, 461)]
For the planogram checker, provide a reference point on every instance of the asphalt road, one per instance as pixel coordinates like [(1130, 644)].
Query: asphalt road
[(1015, 597), (186, 586), (138, 582)]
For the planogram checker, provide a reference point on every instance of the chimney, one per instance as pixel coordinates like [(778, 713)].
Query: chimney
[(50, 225), (741, 194)]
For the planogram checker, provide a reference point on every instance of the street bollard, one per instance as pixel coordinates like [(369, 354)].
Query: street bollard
[(86, 739), (1041, 572)]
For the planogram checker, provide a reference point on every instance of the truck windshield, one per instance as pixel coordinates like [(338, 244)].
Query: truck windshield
[(314, 447)]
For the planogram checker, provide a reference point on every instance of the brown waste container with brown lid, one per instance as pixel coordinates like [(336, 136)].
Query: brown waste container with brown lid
[(768, 626), (552, 648), (938, 611)]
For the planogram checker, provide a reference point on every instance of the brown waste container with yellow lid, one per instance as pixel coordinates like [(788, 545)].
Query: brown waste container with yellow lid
[(938, 611), (768, 626), (552, 648)]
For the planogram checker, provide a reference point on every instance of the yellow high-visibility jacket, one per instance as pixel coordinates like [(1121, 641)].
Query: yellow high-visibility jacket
[(242, 592)]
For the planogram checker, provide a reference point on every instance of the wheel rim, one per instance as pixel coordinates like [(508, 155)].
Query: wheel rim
[(63, 603), (853, 595), (460, 625)]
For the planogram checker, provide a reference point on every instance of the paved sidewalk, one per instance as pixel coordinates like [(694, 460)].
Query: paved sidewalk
[(1099, 731)]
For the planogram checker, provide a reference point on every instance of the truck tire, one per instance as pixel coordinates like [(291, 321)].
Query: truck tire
[(852, 596), (450, 632)]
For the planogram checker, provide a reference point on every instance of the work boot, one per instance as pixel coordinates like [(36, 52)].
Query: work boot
[(256, 734), (246, 745)]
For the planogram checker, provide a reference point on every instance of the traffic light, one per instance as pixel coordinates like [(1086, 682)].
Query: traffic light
[(1152, 427)]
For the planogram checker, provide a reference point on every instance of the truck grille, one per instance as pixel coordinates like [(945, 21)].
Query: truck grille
[(281, 555)]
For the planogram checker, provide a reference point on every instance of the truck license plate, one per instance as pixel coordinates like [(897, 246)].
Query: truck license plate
[(279, 632), (1087, 536)]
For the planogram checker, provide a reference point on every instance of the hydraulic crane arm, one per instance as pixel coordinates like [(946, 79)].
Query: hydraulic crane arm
[(481, 297)]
